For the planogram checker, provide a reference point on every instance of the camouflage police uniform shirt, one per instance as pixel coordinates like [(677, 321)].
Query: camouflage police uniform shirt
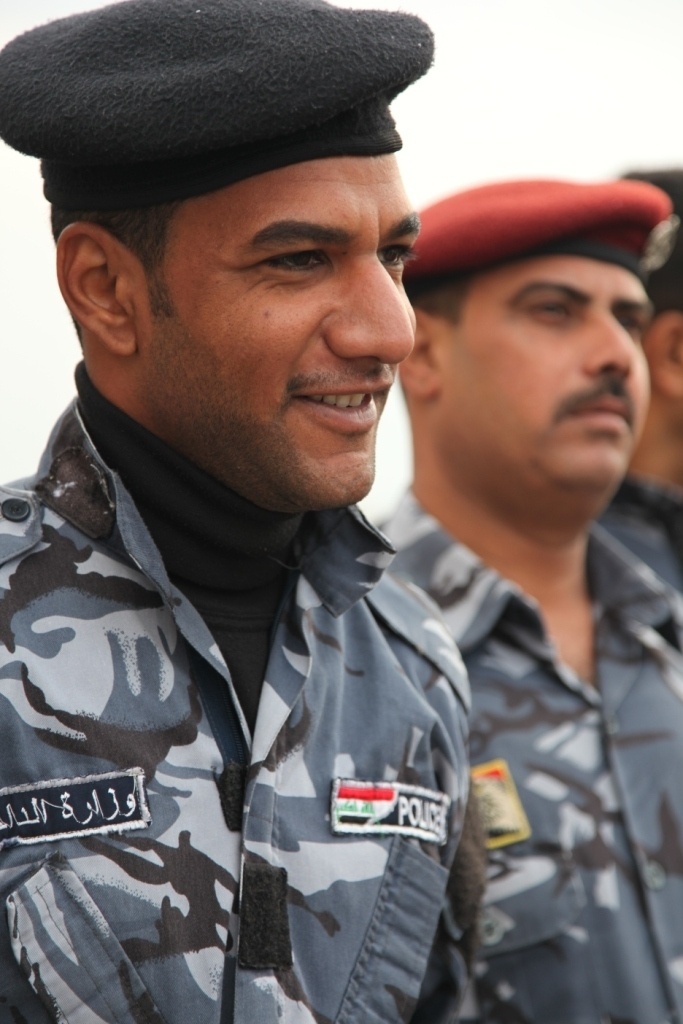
[(580, 787), (119, 874), (646, 515)]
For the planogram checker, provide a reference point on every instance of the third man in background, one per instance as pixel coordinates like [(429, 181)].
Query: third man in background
[(646, 513)]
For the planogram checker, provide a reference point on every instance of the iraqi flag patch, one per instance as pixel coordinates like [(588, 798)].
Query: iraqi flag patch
[(384, 808)]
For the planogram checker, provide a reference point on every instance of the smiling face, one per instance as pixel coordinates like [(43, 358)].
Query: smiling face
[(288, 319), (542, 383)]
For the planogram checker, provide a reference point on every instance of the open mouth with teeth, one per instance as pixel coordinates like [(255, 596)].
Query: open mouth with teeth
[(341, 401)]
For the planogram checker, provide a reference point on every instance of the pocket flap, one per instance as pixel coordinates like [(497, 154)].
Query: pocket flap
[(70, 956), (392, 962), (510, 920)]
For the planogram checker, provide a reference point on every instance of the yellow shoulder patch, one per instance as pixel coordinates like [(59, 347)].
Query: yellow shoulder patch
[(502, 814)]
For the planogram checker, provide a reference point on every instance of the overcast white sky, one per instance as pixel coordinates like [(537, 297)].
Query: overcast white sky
[(521, 88)]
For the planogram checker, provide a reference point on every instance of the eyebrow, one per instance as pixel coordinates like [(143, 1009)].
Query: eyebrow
[(292, 232), (581, 298)]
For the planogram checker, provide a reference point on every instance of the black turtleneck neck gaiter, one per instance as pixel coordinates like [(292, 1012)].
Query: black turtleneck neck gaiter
[(228, 556)]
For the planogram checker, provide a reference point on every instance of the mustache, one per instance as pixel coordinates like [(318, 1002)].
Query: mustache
[(610, 385), (381, 376)]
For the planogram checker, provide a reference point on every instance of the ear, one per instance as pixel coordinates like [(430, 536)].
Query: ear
[(664, 351), (421, 372), (104, 285)]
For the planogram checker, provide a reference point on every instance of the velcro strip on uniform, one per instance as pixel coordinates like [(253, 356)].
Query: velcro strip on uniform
[(231, 784), (43, 812), (500, 807), (264, 941), (383, 808)]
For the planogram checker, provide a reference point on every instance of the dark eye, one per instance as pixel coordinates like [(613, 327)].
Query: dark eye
[(551, 308), (304, 260), (633, 323), (396, 255), (553, 312)]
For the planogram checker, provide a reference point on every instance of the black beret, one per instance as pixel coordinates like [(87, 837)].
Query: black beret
[(145, 101), (665, 285)]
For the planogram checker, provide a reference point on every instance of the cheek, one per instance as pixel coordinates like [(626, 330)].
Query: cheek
[(276, 328), (258, 352)]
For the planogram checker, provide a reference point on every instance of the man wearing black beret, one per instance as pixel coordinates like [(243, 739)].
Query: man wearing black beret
[(646, 513), (527, 390), (234, 764)]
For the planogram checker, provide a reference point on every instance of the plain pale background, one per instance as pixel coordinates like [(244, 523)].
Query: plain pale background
[(584, 89)]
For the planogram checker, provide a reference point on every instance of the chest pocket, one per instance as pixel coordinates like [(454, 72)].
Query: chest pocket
[(397, 944), (529, 900), (67, 951)]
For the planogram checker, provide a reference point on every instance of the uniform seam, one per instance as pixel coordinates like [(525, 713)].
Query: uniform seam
[(23, 946)]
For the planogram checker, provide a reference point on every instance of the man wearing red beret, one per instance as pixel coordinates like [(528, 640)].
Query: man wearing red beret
[(527, 390)]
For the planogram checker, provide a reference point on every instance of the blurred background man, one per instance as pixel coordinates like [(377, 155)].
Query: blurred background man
[(646, 513), (527, 390)]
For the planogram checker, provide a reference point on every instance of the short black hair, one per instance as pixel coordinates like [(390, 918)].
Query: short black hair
[(445, 298), (144, 231), (665, 286)]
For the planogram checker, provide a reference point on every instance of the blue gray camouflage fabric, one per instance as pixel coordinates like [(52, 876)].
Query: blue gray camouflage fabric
[(647, 517), (119, 875), (580, 787)]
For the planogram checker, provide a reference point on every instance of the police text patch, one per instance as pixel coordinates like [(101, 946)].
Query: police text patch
[(382, 808), (501, 809), (41, 812)]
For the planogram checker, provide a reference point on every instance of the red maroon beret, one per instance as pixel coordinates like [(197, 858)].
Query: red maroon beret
[(493, 224)]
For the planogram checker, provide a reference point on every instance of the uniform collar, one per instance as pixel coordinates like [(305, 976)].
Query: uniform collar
[(474, 598), (341, 555), (655, 494)]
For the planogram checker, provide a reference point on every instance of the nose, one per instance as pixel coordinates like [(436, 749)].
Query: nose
[(610, 347), (372, 318)]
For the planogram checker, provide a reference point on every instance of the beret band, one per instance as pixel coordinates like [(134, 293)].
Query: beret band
[(595, 250), (587, 247), (116, 187)]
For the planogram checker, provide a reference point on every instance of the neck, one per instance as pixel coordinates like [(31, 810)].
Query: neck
[(545, 557), (541, 557)]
